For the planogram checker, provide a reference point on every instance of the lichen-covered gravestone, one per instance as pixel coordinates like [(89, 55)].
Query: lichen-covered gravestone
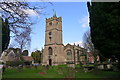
[(71, 73), (60, 70), (44, 69)]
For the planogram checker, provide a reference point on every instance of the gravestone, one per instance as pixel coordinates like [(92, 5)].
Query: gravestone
[(109, 66), (47, 67), (71, 72), (100, 66), (44, 69), (71, 65), (60, 70)]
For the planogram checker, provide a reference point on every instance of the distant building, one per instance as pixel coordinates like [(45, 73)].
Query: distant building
[(10, 54), (28, 59), (54, 52)]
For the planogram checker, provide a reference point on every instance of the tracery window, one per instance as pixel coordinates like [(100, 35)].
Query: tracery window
[(69, 54)]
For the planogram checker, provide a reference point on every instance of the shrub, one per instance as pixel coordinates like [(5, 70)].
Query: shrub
[(14, 63)]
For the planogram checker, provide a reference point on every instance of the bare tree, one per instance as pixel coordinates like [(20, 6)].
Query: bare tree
[(87, 42), (23, 39), (90, 46), (19, 18), (18, 14)]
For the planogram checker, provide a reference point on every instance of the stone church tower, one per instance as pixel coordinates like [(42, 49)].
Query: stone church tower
[(53, 53)]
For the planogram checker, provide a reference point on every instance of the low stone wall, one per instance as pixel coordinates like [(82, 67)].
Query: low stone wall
[(101, 66), (105, 66), (71, 65)]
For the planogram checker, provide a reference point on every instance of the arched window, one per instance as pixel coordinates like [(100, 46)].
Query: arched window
[(50, 33), (50, 38), (69, 54), (50, 50)]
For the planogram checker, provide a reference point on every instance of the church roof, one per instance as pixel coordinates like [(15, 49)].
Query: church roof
[(28, 58), (68, 45), (72, 46)]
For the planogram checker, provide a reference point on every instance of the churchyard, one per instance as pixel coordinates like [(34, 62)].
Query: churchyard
[(61, 71), (97, 55)]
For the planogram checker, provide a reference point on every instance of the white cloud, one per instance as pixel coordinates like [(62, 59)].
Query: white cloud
[(30, 12), (84, 21), (76, 43)]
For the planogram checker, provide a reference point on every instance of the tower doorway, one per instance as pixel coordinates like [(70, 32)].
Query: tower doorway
[(50, 62)]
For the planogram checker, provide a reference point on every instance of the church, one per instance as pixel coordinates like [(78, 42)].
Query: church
[(54, 52)]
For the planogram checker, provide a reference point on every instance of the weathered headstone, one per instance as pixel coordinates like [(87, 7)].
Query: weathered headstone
[(47, 67), (60, 70), (44, 69), (71, 72)]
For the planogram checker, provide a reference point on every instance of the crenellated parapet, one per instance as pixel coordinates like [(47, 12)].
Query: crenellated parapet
[(54, 18)]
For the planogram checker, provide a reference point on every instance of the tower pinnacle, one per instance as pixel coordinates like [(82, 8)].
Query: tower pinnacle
[(54, 13)]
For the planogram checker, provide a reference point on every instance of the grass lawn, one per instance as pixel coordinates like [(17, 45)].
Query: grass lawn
[(52, 72), (97, 74), (57, 72)]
